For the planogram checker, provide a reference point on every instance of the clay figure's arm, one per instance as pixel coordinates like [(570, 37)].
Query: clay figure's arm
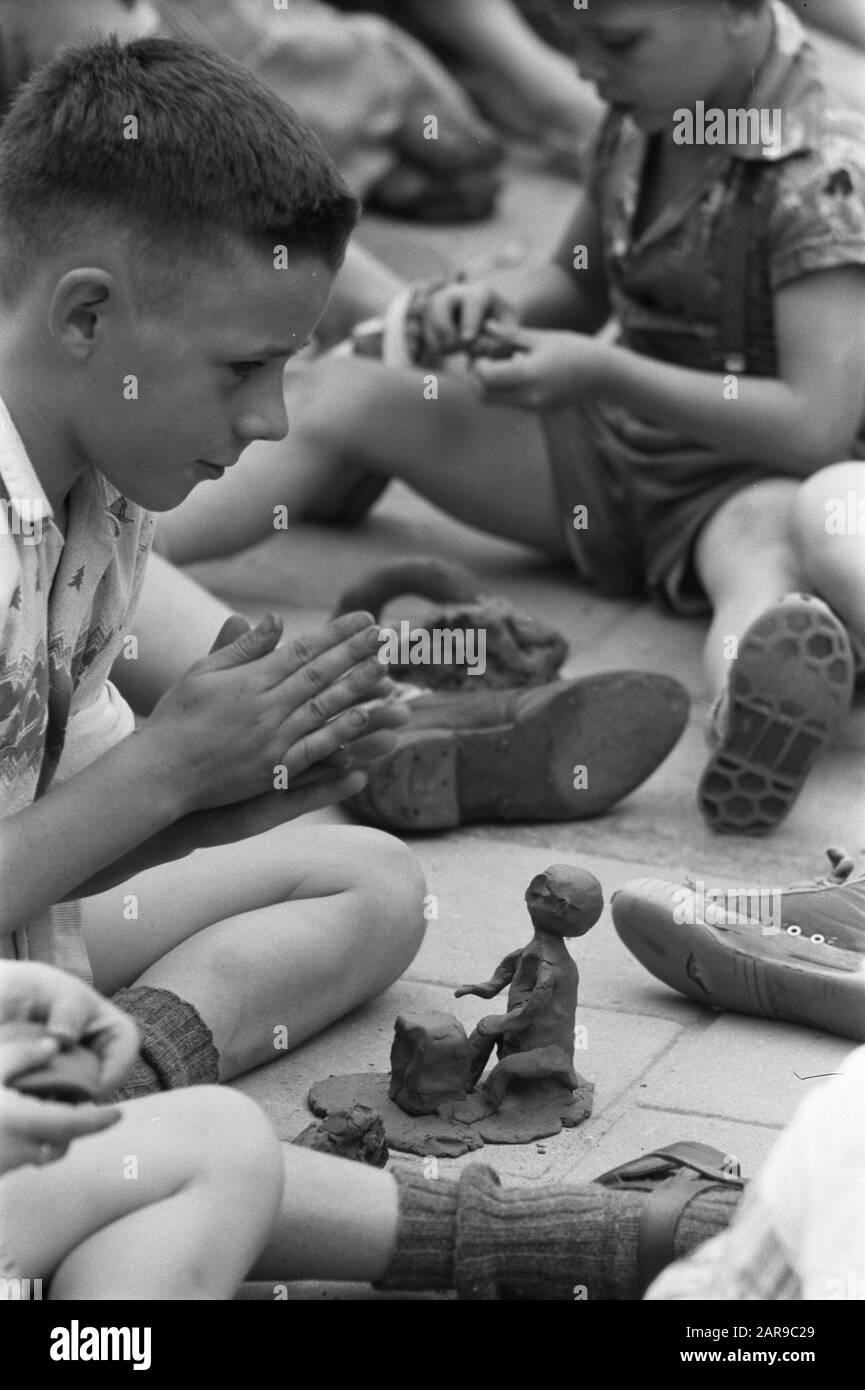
[(502, 976)]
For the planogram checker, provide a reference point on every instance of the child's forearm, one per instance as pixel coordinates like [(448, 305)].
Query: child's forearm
[(82, 826), (548, 296), (758, 420)]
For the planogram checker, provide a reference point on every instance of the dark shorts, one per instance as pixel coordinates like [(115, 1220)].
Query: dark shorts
[(647, 496)]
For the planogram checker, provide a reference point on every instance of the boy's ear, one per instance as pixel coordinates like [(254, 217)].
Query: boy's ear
[(79, 308)]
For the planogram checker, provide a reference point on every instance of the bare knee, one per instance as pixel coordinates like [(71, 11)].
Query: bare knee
[(824, 506), (391, 888), (751, 531), (230, 1143)]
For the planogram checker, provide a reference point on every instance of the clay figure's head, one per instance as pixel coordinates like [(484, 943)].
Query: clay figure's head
[(564, 900)]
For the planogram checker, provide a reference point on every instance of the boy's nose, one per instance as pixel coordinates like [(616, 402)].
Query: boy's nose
[(265, 418)]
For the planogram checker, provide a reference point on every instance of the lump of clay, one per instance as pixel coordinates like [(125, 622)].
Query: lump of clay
[(519, 650), (357, 1134), (429, 1062)]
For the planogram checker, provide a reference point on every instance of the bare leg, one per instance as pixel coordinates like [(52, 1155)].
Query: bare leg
[(833, 549), (746, 561), (174, 1202), (338, 1220), (288, 931), (485, 465)]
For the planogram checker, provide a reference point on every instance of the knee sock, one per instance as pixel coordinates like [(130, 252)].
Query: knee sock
[(532, 1243), (176, 1044)]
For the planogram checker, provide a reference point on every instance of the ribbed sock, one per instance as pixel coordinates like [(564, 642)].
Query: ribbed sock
[(176, 1044), (538, 1243)]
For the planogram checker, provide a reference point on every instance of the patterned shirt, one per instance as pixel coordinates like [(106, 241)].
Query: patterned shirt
[(64, 604), (670, 285)]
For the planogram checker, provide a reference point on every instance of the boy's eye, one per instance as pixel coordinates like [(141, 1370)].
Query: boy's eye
[(244, 369), (619, 45)]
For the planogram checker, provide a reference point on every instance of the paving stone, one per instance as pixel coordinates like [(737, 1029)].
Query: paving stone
[(641, 1129), (744, 1068)]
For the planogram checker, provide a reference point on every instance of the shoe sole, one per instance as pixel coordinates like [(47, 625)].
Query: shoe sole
[(619, 726), (779, 977), (790, 692)]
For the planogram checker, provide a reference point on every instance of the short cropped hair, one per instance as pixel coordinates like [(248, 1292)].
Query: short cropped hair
[(171, 143)]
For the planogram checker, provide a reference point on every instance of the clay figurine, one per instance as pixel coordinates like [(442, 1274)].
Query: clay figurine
[(436, 1100), (534, 1040)]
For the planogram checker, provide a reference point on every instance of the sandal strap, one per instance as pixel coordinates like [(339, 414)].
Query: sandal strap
[(654, 1168), (659, 1221)]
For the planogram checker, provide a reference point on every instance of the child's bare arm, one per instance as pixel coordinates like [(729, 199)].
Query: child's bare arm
[(571, 291), (804, 420), (798, 422), (555, 294), (213, 741)]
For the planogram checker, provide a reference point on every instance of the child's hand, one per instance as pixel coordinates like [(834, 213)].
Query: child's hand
[(548, 369), (71, 1012), (385, 710), (252, 707), (40, 1131), (455, 316)]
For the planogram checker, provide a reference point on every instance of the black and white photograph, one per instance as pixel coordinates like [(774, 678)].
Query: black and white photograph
[(432, 670)]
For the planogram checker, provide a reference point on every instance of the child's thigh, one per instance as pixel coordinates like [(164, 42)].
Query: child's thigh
[(161, 1144), (138, 922), (752, 530)]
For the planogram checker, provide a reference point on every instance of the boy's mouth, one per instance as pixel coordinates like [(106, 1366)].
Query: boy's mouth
[(210, 470)]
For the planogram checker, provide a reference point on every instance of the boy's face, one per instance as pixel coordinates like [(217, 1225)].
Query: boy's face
[(652, 57), (175, 394)]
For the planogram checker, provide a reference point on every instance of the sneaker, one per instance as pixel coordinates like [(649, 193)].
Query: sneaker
[(795, 953), (790, 691), (563, 751)]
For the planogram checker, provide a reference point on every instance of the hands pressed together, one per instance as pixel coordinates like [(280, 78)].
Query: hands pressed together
[(258, 733)]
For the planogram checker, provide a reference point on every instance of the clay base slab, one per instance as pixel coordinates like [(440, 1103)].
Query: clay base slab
[(521, 1118)]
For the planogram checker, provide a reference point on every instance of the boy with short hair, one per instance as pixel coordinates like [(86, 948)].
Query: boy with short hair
[(698, 457), (169, 233)]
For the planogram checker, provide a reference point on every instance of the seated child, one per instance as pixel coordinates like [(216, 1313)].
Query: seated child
[(169, 233), (217, 1198), (698, 457)]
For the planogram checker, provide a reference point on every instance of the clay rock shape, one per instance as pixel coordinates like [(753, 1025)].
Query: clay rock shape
[(357, 1134), (429, 1062)]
